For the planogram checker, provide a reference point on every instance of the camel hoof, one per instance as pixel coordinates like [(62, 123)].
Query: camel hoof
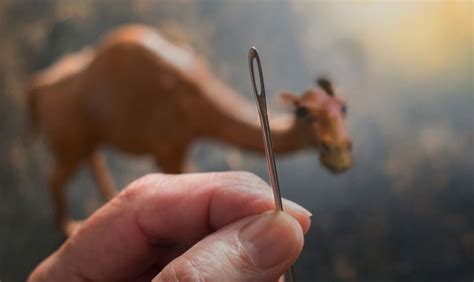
[(70, 227)]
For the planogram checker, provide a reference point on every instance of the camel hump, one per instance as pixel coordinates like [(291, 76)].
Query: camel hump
[(66, 66), (181, 57), (127, 33)]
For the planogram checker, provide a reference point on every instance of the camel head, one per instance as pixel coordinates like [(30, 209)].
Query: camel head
[(320, 117)]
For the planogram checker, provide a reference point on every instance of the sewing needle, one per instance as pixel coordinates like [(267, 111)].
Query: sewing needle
[(267, 138)]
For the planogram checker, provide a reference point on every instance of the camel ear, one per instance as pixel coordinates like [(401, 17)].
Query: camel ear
[(326, 85), (290, 98)]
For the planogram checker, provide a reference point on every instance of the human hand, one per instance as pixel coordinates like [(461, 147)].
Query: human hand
[(192, 227)]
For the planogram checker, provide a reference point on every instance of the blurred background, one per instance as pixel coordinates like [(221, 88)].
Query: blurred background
[(404, 212)]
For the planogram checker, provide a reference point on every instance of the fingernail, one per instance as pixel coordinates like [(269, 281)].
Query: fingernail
[(295, 206), (287, 204), (271, 239)]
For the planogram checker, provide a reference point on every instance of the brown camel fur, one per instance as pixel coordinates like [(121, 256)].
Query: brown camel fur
[(142, 94)]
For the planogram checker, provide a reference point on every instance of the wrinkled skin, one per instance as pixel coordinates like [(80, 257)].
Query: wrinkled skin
[(190, 227)]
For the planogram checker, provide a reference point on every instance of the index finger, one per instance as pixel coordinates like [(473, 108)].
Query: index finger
[(160, 216)]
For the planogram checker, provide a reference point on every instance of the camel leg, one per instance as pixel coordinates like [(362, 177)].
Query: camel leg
[(172, 163), (58, 179), (102, 176)]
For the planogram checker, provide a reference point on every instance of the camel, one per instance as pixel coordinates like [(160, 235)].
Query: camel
[(142, 94)]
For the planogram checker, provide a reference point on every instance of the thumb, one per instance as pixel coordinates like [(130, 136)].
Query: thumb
[(259, 248)]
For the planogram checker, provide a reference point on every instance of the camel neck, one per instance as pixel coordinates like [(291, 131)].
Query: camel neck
[(236, 122)]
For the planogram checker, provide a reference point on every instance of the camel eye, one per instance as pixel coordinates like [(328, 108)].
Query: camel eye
[(344, 109), (302, 112)]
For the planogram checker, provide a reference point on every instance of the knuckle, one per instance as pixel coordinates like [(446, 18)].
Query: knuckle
[(139, 187)]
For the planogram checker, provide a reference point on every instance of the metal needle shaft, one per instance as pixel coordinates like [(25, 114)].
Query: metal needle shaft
[(267, 138)]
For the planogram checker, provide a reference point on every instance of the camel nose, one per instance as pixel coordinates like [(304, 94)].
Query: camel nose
[(325, 147), (344, 146)]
